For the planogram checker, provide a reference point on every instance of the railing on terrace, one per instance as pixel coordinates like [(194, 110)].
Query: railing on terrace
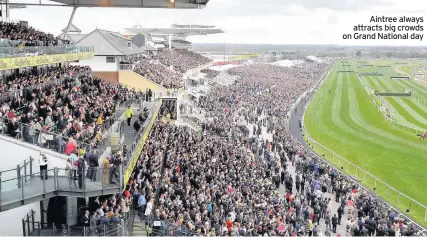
[(370, 183), (126, 67), (59, 181), (48, 139), (7, 51), (138, 142), (32, 227), (56, 141)]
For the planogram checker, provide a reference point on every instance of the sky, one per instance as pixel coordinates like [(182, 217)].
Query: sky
[(244, 21)]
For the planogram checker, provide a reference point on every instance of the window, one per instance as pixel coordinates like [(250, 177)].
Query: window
[(129, 44), (111, 59)]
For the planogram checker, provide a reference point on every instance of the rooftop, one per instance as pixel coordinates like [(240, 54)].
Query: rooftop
[(110, 43), (184, 30)]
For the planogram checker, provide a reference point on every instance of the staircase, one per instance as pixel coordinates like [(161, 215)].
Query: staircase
[(138, 227)]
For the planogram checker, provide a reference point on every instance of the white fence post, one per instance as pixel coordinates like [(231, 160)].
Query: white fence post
[(398, 198)]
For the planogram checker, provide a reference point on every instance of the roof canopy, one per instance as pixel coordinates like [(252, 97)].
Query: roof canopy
[(172, 31), (74, 38), (72, 29), (184, 4)]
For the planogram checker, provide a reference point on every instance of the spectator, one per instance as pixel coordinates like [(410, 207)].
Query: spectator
[(43, 161)]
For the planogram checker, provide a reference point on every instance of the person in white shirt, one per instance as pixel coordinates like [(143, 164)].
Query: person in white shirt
[(43, 165)]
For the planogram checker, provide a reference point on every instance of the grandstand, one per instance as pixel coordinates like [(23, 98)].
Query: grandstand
[(112, 136), (63, 102), (224, 79), (172, 37)]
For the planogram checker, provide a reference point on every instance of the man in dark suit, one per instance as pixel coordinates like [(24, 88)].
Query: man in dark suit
[(340, 212), (81, 171), (334, 223), (84, 220)]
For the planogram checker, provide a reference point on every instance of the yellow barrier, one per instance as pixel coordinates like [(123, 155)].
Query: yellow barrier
[(244, 56), (31, 61), (138, 148)]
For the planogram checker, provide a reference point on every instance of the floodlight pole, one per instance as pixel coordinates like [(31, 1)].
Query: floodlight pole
[(69, 23)]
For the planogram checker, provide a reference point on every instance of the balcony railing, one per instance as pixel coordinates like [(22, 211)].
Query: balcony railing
[(126, 67), (7, 50)]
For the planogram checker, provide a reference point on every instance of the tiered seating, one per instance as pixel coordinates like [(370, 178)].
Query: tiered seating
[(169, 109), (181, 41), (104, 214), (76, 107), (158, 73), (14, 34), (225, 79), (182, 59), (27, 78), (210, 73)]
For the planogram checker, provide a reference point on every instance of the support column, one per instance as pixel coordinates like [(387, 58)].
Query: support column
[(72, 211), (69, 22), (7, 11), (170, 41)]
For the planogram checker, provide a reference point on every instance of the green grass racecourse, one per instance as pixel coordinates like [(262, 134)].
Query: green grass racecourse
[(409, 111), (347, 121)]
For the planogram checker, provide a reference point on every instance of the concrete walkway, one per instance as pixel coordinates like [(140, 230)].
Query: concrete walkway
[(296, 131)]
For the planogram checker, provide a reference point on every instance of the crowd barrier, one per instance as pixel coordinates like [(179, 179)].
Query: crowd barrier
[(58, 182), (139, 143), (31, 227), (9, 51), (367, 65), (341, 71), (383, 66), (28, 60), (369, 182)]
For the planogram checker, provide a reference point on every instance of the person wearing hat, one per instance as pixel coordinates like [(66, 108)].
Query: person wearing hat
[(129, 114)]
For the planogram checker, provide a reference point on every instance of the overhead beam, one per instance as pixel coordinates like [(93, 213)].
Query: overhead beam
[(180, 6), (69, 23)]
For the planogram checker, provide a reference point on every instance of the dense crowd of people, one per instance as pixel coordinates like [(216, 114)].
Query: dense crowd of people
[(25, 79), (158, 73), (104, 214), (15, 34), (226, 181), (181, 59), (180, 41), (75, 107), (210, 73), (169, 109)]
